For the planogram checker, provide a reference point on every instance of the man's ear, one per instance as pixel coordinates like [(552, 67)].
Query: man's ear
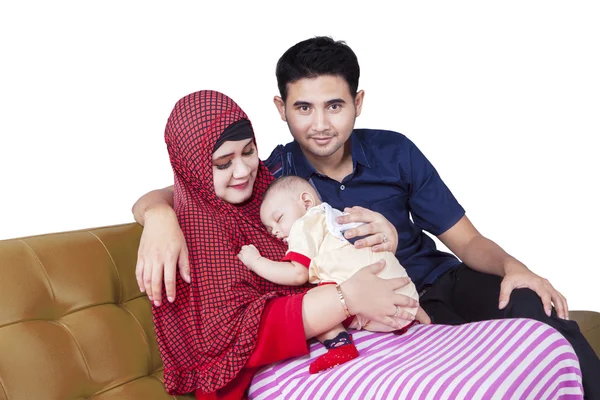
[(307, 200), (280, 104), (358, 102)]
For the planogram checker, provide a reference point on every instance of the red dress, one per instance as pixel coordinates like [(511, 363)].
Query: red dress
[(229, 321)]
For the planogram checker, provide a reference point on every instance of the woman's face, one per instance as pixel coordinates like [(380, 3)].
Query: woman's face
[(235, 165)]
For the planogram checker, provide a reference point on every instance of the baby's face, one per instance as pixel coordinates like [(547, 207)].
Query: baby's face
[(279, 211)]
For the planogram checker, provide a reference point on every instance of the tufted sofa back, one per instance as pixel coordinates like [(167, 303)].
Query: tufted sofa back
[(73, 323)]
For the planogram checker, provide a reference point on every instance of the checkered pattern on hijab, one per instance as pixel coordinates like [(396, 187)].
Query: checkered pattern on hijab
[(207, 335)]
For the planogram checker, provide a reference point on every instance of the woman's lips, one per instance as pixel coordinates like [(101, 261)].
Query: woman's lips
[(241, 186)]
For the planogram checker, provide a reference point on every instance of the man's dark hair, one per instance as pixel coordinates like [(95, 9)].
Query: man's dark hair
[(314, 57)]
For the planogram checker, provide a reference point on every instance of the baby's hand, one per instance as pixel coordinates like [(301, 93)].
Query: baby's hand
[(249, 255)]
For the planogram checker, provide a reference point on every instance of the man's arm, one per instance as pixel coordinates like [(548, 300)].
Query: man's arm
[(483, 255), (162, 245), (289, 273), (154, 199)]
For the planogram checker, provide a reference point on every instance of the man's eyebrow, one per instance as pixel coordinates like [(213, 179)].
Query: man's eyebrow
[(334, 101), (301, 103)]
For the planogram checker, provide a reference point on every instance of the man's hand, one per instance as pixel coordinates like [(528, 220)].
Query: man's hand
[(162, 249), (519, 276), (380, 232), (249, 255)]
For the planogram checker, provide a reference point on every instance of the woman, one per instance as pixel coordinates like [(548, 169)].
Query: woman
[(228, 322)]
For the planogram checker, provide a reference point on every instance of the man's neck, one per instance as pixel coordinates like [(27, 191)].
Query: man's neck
[(336, 166)]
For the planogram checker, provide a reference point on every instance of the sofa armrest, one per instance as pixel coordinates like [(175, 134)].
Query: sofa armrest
[(589, 323)]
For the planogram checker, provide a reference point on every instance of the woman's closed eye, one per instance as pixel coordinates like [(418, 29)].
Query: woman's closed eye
[(249, 152), (223, 166)]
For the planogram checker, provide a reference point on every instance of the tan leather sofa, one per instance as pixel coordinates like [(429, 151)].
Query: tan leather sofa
[(74, 325)]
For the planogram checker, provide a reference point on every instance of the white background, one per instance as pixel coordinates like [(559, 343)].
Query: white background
[(503, 98)]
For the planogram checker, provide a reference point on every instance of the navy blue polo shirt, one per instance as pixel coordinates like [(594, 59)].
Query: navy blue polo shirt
[(391, 176)]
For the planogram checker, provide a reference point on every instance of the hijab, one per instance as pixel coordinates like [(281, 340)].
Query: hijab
[(207, 335)]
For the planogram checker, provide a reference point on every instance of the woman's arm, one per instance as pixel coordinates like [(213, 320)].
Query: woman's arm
[(288, 321)]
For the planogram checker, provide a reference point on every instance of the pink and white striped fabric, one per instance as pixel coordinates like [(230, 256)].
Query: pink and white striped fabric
[(500, 359)]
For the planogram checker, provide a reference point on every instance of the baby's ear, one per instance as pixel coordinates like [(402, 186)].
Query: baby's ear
[(307, 200)]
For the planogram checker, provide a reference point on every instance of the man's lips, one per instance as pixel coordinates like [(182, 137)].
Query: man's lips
[(322, 139)]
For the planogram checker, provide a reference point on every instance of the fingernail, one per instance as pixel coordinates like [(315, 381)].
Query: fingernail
[(188, 279), (156, 303), (548, 312), (358, 244), (170, 299), (142, 290), (502, 304)]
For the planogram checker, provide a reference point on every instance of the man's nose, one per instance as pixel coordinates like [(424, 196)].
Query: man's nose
[(320, 122)]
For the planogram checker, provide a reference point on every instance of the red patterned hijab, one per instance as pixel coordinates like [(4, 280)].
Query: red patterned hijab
[(207, 335)]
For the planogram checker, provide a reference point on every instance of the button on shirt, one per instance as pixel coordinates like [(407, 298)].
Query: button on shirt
[(391, 176)]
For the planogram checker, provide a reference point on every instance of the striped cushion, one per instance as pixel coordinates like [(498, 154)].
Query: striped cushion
[(500, 359)]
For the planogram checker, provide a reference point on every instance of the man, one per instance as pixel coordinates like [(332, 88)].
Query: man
[(385, 172)]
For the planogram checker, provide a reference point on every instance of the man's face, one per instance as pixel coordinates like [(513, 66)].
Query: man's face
[(320, 113)]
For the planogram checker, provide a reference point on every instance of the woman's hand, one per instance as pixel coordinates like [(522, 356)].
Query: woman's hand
[(379, 232), (162, 249), (374, 298)]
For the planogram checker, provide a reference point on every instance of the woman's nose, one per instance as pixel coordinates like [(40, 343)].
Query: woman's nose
[(241, 170)]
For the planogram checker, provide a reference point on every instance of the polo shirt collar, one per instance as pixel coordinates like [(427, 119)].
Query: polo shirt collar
[(358, 152), (305, 170), (302, 167)]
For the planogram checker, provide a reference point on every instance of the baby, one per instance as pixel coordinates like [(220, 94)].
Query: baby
[(318, 253)]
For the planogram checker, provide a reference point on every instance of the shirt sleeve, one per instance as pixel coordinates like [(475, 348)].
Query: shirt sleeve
[(305, 239), (280, 336), (433, 207), (275, 162), (281, 333)]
